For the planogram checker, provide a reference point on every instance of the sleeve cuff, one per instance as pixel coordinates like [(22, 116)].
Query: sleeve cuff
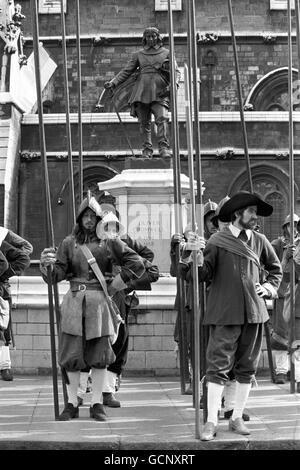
[(118, 283), (271, 289)]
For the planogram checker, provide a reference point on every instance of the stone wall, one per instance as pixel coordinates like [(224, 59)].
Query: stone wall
[(151, 344), (152, 350)]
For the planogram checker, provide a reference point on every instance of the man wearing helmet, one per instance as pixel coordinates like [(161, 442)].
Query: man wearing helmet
[(280, 317)]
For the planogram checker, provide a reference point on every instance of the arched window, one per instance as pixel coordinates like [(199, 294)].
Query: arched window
[(270, 93)]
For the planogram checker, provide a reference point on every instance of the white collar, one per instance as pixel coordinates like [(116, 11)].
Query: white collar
[(236, 231)]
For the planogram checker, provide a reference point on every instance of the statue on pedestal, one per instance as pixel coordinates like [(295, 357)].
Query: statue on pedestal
[(150, 92)]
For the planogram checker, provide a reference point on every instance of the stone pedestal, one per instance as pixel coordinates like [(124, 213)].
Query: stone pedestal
[(145, 201)]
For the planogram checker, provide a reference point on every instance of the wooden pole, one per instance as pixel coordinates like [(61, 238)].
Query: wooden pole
[(80, 144), (239, 89), (68, 125), (189, 133), (183, 349), (49, 224), (292, 198)]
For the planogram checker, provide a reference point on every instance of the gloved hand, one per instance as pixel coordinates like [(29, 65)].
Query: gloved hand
[(290, 250), (109, 85), (48, 257), (177, 238), (195, 242), (261, 290)]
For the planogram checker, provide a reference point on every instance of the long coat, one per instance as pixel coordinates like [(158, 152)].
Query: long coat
[(232, 299), (150, 80), (72, 265)]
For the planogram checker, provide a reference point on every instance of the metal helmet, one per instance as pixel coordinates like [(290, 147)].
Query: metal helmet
[(214, 219), (209, 206), (287, 220)]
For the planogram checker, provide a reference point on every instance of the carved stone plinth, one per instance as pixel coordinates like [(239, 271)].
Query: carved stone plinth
[(147, 163), (145, 201)]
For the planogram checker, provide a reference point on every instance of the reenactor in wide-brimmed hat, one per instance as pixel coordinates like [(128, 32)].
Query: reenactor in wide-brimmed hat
[(236, 310)]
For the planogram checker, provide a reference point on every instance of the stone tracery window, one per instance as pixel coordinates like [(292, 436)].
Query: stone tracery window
[(270, 93)]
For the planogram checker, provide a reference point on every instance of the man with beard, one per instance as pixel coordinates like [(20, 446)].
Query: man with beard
[(232, 261), (87, 325)]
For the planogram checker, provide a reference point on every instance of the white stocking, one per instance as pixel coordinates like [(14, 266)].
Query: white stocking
[(98, 380), (241, 397), (73, 387), (214, 394)]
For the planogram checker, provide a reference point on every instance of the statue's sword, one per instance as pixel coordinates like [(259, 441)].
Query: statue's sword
[(99, 106)]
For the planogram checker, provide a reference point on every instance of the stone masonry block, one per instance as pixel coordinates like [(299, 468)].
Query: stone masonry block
[(147, 343), (161, 360), (163, 330), (141, 330), (41, 342), (37, 359), (150, 317), (169, 316), (19, 316), (130, 343), (167, 343), (23, 341), (31, 329), (38, 316), (136, 360), (16, 357)]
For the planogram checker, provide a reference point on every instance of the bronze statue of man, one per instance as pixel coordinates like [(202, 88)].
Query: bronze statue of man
[(150, 92)]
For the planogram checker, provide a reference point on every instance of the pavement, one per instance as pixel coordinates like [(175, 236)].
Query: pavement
[(154, 415)]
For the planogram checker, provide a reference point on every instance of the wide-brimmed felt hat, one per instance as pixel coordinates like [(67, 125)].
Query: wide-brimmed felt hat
[(242, 200)]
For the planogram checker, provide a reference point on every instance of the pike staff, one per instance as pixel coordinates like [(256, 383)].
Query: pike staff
[(49, 224), (196, 311), (80, 145), (291, 187), (194, 81), (239, 89), (67, 104), (247, 158), (183, 349)]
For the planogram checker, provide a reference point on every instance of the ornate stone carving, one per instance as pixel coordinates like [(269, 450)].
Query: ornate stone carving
[(10, 26), (207, 38), (269, 38), (225, 154), (282, 156), (61, 157), (29, 156)]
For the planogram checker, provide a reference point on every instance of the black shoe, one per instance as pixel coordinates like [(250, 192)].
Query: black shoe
[(89, 385), (280, 379), (79, 401), (228, 414), (118, 383), (109, 400), (70, 412), (6, 374), (97, 412)]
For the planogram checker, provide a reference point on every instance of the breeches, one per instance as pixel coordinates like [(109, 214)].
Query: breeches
[(233, 347)]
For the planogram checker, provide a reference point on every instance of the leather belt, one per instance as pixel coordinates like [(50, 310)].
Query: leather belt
[(83, 287)]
